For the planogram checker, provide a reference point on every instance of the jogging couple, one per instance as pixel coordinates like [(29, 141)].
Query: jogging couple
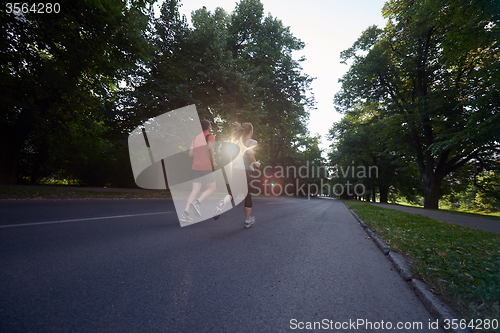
[(202, 151)]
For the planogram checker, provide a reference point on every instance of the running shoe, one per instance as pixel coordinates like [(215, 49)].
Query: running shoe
[(218, 209), (195, 206), (249, 223), (185, 218)]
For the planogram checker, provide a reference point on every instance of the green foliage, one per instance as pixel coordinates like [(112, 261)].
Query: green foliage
[(59, 71), (235, 67), (309, 156), (433, 70), (365, 137), (67, 113), (481, 193)]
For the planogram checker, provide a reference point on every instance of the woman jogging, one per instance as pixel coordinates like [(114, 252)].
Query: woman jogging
[(243, 136)]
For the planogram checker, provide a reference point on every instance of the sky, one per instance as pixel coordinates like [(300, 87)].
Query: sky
[(327, 27)]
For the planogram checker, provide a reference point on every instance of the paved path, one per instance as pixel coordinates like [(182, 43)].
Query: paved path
[(467, 221), (127, 266)]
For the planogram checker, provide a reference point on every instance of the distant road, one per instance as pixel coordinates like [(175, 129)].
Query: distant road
[(127, 266)]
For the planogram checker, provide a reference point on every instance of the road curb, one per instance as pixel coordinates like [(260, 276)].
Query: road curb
[(436, 307)]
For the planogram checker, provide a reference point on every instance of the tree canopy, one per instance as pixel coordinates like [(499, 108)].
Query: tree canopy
[(58, 75), (433, 74), (74, 83)]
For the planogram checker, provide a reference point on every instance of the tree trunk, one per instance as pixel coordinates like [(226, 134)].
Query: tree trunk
[(432, 187), (384, 193), (8, 173), (272, 153), (9, 157)]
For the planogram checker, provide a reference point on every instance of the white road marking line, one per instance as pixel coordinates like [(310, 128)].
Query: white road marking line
[(79, 220)]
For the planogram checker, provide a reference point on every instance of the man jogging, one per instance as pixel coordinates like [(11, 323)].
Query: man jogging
[(202, 151)]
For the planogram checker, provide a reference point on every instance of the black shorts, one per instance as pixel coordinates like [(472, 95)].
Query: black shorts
[(248, 198), (203, 176)]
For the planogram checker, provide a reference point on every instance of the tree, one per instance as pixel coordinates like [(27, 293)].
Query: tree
[(59, 71), (235, 67), (277, 101), (435, 66), (365, 139)]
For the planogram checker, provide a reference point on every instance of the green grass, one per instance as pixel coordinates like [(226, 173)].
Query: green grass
[(44, 193), (460, 264)]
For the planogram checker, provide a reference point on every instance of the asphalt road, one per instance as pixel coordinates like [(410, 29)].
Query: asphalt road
[(66, 268)]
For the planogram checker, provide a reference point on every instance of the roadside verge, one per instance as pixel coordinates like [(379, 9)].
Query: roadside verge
[(436, 307), (54, 192)]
